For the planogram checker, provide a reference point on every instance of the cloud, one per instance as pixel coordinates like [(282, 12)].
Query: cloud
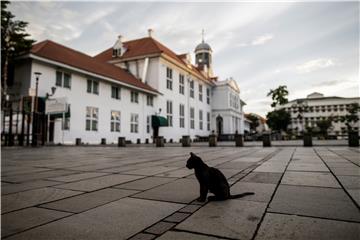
[(328, 83), (316, 64), (262, 39)]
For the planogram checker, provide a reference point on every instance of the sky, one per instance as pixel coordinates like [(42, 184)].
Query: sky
[(307, 46)]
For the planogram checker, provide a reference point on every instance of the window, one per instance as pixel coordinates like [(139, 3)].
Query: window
[(169, 78), (181, 84), (208, 121), (92, 86), (63, 79), (134, 97), (192, 88), (208, 95), (116, 52), (200, 93), (169, 113), (148, 123), (134, 123), (58, 81), (182, 115), (115, 92), (115, 121), (149, 100), (92, 116), (67, 80), (200, 119), (192, 118)]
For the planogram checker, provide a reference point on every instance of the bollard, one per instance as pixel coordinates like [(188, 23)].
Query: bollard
[(307, 140), (185, 141), (212, 140), (159, 141), (78, 141), (121, 142), (239, 140), (353, 139), (266, 140)]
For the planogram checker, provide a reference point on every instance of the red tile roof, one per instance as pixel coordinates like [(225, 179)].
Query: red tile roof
[(59, 53), (147, 46)]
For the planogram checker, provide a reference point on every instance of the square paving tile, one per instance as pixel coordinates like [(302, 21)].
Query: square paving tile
[(319, 179), (99, 182), (27, 218), (149, 171), (117, 220), (262, 177), (355, 194), (271, 167), (145, 183), (307, 167), (87, 201), (347, 171), (38, 175), (77, 177), (181, 191), (280, 226), (170, 235), (263, 191), (329, 203), (19, 187), (232, 218), (350, 182), (179, 173), (34, 197)]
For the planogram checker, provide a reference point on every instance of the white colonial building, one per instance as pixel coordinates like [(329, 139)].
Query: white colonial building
[(318, 108), (129, 90)]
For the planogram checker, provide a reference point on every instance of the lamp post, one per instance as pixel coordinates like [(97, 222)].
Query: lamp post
[(48, 95), (35, 114)]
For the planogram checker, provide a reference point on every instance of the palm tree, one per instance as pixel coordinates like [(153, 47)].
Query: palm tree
[(279, 95)]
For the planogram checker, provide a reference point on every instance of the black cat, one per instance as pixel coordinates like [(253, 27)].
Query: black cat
[(211, 180)]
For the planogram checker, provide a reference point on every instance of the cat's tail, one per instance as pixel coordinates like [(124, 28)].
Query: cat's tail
[(241, 195)]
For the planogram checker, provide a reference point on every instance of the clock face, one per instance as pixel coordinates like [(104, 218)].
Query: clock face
[(200, 60)]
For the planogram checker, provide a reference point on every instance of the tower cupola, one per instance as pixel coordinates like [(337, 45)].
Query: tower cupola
[(203, 57)]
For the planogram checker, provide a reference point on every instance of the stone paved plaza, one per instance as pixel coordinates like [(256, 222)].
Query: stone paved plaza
[(147, 193)]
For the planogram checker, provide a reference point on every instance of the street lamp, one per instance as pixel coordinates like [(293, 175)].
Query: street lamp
[(35, 115)]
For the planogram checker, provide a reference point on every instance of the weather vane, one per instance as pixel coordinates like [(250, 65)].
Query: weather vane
[(203, 34)]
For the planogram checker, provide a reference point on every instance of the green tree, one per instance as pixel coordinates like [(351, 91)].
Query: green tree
[(279, 96), (324, 126), (14, 41), (352, 116), (254, 121), (278, 119)]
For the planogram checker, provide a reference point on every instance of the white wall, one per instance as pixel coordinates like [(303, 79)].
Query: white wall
[(79, 99)]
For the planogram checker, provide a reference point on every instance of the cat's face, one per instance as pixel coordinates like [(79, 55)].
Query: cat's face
[(193, 161)]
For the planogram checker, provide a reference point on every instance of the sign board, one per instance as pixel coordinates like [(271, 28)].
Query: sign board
[(56, 105)]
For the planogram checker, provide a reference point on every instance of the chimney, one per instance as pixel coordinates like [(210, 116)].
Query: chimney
[(150, 32)]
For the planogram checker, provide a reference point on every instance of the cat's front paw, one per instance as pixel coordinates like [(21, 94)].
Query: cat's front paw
[(201, 199)]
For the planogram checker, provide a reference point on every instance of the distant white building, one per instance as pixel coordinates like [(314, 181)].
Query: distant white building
[(320, 108), (128, 90)]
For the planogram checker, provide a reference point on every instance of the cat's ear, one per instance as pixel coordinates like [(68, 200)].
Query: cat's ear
[(192, 154)]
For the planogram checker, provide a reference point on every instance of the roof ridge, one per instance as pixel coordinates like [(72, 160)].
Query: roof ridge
[(68, 48)]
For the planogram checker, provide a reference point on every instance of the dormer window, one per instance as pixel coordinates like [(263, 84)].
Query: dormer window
[(116, 52)]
